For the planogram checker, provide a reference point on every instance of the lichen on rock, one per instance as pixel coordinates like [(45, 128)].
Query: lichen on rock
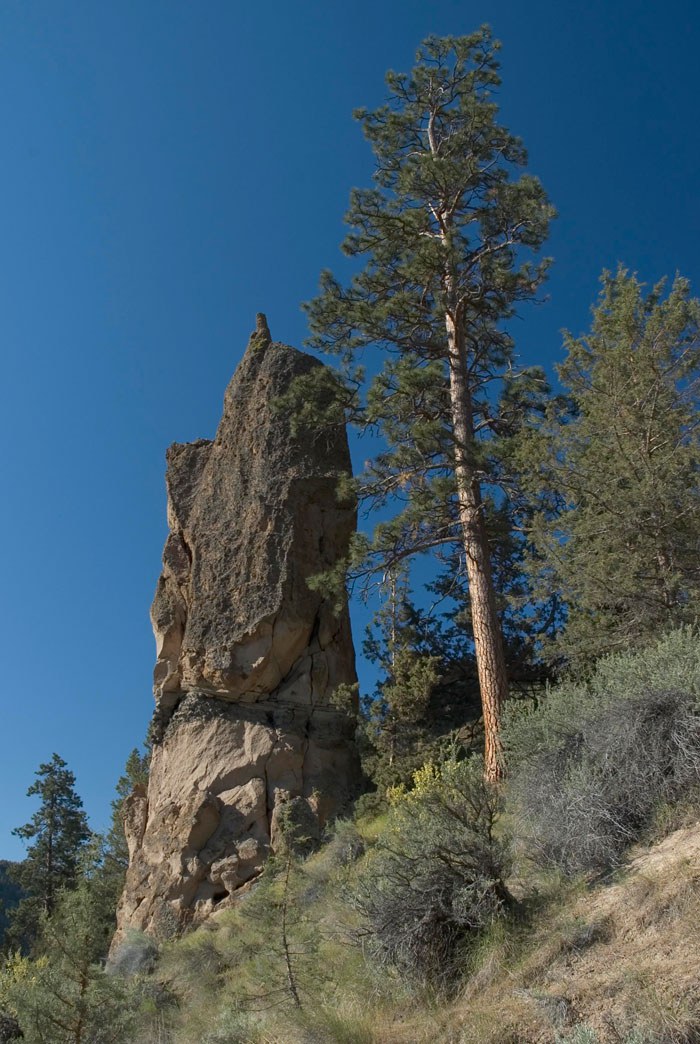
[(248, 655)]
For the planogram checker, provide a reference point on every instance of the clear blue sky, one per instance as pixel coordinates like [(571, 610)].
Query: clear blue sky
[(170, 168)]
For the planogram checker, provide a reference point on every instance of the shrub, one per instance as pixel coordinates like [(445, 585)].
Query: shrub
[(137, 955), (345, 845), (230, 1027), (590, 767), (435, 880)]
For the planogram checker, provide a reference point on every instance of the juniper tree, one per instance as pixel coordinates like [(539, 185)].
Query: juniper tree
[(615, 471), (444, 232)]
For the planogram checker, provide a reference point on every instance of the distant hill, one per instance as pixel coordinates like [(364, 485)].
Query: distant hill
[(10, 894)]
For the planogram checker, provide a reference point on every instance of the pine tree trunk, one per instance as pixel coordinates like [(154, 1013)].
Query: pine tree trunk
[(488, 638), (291, 978), (48, 899)]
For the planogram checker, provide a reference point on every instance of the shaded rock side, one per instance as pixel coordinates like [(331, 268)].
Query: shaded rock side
[(248, 656)]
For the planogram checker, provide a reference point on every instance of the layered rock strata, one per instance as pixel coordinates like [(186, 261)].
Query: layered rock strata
[(249, 656)]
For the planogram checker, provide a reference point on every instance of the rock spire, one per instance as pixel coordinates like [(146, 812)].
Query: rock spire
[(248, 655)]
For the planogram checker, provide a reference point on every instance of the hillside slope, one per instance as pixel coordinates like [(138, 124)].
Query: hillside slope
[(617, 961), (621, 960)]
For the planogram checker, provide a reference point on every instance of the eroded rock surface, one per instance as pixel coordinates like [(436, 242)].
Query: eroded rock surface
[(249, 657)]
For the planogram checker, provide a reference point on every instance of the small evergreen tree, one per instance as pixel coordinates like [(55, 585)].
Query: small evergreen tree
[(57, 833), (269, 958), (394, 722), (615, 471), (111, 860), (63, 995), (135, 773), (427, 696), (11, 895)]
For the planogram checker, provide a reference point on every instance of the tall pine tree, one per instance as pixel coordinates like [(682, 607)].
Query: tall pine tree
[(444, 233), (57, 832)]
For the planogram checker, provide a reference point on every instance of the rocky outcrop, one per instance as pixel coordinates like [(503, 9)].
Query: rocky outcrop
[(249, 656)]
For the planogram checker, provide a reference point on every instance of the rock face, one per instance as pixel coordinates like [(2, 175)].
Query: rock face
[(249, 657)]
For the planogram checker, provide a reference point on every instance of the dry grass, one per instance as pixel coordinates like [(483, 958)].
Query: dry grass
[(622, 956)]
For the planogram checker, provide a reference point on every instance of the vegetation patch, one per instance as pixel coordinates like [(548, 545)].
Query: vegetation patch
[(591, 767), (436, 878)]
